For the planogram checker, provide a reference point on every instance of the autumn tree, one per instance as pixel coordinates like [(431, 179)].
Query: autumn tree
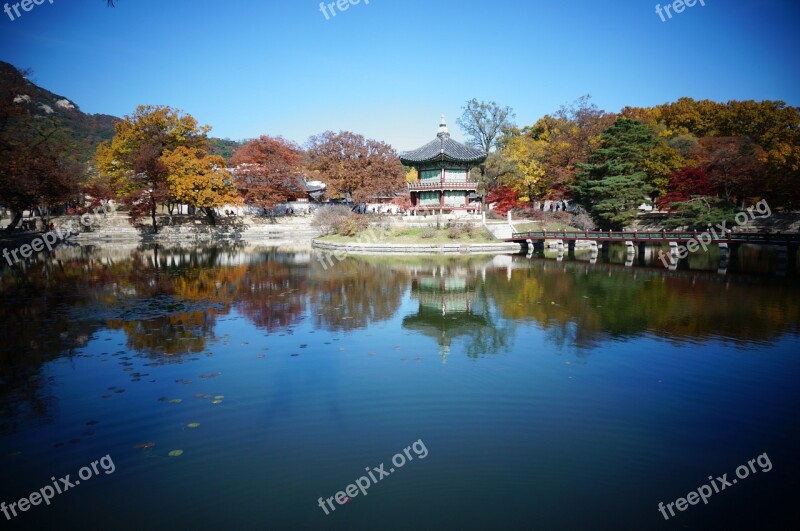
[(734, 165), (484, 123), (134, 159), (661, 162), (266, 170), (503, 199), (528, 178), (774, 130), (38, 164), (685, 184), (196, 178), (614, 184), (570, 136), (355, 168)]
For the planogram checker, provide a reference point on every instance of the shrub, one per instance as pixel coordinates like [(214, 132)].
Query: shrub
[(582, 220), (352, 225), (327, 219), (427, 232), (469, 229), (455, 231), (563, 217), (537, 215)]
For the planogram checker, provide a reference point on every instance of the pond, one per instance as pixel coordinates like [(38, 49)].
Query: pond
[(234, 387)]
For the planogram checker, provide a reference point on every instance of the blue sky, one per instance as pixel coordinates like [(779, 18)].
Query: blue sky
[(389, 68)]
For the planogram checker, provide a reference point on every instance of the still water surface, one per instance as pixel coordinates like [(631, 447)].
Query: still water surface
[(547, 395)]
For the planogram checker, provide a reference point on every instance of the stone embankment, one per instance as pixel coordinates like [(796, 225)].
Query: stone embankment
[(116, 228)]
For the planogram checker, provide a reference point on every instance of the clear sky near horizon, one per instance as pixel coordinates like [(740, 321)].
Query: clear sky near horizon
[(389, 68)]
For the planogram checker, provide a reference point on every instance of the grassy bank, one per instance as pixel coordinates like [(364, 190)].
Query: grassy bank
[(538, 226)]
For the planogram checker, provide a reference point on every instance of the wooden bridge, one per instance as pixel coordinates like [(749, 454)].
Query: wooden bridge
[(663, 237)]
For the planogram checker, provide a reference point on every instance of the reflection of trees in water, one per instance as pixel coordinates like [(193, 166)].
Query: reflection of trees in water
[(166, 301), (584, 307), (25, 398), (170, 335), (264, 287), (272, 295), (353, 294), (36, 329)]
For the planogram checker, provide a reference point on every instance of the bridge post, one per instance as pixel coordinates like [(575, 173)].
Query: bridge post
[(723, 258), (630, 251), (674, 256), (642, 249)]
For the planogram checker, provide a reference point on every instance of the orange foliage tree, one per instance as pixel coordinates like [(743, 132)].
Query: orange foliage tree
[(356, 168), (267, 170)]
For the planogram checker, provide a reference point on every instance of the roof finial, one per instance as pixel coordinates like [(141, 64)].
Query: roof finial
[(443, 127)]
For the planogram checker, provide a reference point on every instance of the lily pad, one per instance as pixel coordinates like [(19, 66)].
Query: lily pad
[(175, 401), (216, 401), (219, 397), (193, 425), (175, 453)]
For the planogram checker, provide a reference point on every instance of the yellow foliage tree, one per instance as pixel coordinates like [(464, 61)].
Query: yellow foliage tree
[(196, 178), (528, 156), (132, 161)]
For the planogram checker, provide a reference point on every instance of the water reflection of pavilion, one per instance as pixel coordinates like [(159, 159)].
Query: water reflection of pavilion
[(447, 305)]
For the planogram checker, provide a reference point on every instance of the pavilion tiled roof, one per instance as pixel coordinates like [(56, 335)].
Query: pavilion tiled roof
[(443, 148)]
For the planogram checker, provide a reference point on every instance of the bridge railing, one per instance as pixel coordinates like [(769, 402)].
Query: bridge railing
[(661, 236)]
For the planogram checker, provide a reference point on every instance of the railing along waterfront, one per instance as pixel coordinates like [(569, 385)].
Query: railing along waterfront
[(662, 236)]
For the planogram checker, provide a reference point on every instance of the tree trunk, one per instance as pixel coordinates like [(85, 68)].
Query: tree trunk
[(153, 215), (212, 218), (15, 219)]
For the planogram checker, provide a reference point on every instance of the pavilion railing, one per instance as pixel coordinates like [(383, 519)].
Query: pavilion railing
[(440, 185)]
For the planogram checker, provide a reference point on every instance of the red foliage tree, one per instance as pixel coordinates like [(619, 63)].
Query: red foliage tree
[(504, 199), (685, 184), (734, 165)]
